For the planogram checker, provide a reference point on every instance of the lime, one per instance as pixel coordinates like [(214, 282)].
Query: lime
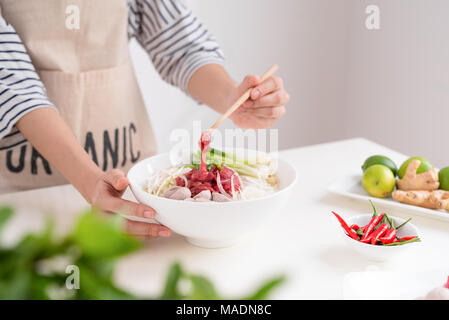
[(424, 167), (379, 159), (443, 176), (379, 181)]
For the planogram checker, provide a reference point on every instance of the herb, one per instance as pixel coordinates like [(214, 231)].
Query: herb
[(35, 268)]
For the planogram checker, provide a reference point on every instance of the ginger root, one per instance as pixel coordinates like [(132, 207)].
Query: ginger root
[(427, 181), (427, 199)]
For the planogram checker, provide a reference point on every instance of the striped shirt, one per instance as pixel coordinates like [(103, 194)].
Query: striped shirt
[(175, 40)]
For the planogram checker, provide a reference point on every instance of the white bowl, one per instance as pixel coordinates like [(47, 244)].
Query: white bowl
[(381, 253), (210, 224)]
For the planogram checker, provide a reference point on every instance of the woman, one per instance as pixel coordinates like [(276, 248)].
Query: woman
[(70, 107)]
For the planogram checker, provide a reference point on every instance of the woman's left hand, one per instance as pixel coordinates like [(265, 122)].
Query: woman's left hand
[(265, 106)]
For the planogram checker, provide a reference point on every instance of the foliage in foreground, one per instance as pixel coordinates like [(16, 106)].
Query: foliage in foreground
[(35, 268)]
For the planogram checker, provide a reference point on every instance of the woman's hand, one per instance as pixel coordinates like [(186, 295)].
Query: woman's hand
[(265, 106), (212, 85), (53, 138), (107, 196)]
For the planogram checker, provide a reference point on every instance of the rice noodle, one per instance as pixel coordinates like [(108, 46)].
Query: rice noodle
[(164, 178), (253, 180)]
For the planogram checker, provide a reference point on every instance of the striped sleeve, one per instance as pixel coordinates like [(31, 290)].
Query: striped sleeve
[(21, 90), (176, 41)]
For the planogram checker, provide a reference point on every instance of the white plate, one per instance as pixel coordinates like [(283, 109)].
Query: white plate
[(351, 186)]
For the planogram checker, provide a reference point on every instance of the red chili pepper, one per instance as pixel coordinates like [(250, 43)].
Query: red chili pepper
[(379, 233), (354, 227), (370, 227), (368, 239), (348, 230), (389, 236), (405, 239)]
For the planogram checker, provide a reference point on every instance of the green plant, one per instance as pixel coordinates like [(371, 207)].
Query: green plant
[(35, 268)]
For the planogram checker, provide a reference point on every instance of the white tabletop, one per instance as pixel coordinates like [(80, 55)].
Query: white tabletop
[(304, 241)]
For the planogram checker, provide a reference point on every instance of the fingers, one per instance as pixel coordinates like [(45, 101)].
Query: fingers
[(270, 85), (266, 103), (268, 112), (108, 194), (275, 99), (134, 209), (146, 230), (112, 201), (118, 205), (142, 230), (249, 82), (270, 93), (117, 179)]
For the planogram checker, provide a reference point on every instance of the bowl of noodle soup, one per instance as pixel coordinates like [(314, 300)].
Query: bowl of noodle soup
[(240, 193)]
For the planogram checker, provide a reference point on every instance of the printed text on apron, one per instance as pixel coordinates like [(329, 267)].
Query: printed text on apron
[(89, 77)]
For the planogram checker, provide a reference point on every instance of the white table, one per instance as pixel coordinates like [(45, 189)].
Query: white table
[(304, 242)]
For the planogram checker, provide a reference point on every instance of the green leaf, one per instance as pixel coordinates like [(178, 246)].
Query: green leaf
[(102, 267), (265, 290), (5, 214), (6, 255), (202, 289), (95, 287), (102, 238), (31, 247), (94, 245), (16, 287), (40, 286), (171, 284)]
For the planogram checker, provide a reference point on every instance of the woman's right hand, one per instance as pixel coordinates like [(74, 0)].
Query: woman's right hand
[(107, 196)]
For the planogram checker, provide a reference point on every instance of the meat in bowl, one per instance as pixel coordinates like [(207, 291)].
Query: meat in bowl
[(215, 175)]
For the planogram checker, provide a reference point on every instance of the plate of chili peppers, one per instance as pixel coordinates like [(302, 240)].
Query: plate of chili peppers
[(378, 236)]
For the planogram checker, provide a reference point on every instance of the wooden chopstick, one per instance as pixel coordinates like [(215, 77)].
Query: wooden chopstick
[(242, 99)]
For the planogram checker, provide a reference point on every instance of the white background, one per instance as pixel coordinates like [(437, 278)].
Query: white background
[(389, 85)]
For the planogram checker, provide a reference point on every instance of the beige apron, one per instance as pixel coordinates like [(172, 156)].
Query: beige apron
[(89, 78)]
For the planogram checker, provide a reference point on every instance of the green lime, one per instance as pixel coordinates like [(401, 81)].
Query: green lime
[(378, 159), (424, 167), (443, 176), (379, 181)]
